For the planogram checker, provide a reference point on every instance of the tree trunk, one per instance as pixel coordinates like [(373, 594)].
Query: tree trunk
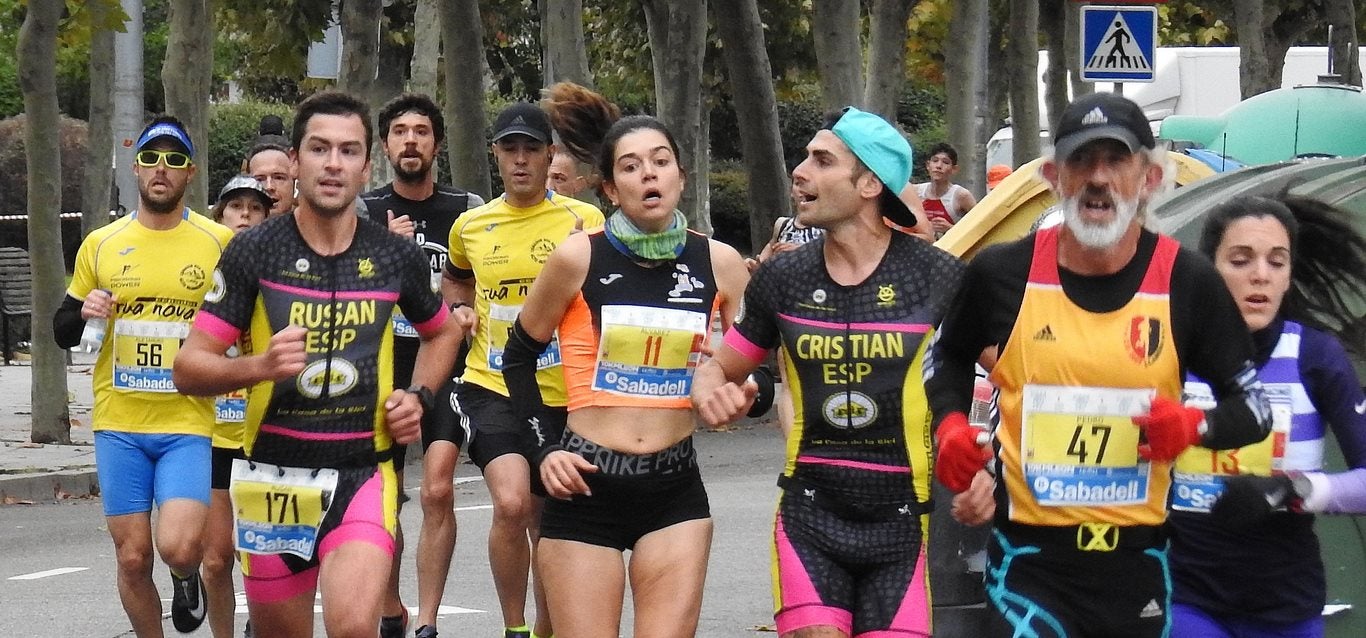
[(678, 35), (566, 54), (386, 87), (1265, 33), (998, 70), (966, 80), (886, 56), (360, 47), (186, 74), (37, 53), (1072, 47), (1053, 24), (462, 37), (1254, 70), (839, 56), (1342, 16), (756, 114), (99, 147), (129, 113), (1024, 79), (426, 54), (426, 48)]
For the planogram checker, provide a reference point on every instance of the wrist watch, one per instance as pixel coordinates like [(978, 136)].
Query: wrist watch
[(424, 396)]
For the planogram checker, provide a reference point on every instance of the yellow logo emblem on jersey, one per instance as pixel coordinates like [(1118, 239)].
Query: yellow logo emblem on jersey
[(192, 277), (365, 268), (886, 295)]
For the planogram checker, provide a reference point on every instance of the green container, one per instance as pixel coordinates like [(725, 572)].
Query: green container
[(1317, 120)]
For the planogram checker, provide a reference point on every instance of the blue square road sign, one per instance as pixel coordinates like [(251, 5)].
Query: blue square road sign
[(1118, 44)]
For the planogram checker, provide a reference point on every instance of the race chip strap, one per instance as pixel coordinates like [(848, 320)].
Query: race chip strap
[(1080, 448), (278, 510)]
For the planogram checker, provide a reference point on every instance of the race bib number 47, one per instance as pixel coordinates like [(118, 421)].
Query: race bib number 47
[(1080, 446)]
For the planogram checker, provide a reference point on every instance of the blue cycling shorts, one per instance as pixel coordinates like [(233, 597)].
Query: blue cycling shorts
[(136, 470)]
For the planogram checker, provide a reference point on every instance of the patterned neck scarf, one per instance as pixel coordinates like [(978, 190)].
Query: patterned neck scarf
[(665, 245)]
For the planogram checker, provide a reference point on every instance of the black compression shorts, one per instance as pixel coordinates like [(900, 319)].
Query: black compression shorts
[(633, 495)]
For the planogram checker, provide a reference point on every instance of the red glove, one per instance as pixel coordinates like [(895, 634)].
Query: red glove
[(960, 455), (1169, 429)]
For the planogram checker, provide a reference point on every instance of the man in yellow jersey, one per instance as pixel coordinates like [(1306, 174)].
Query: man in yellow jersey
[(1095, 323), (496, 251), (142, 277)]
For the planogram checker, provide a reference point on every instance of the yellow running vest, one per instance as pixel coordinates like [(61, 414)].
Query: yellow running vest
[(1070, 381)]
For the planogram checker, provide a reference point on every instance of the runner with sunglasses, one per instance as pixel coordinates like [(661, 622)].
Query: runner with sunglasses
[(145, 275)]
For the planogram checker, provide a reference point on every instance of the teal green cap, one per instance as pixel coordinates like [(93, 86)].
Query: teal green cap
[(883, 150)]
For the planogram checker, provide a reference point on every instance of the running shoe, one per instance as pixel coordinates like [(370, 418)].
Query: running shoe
[(513, 633), (189, 602), (394, 626), (426, 631)]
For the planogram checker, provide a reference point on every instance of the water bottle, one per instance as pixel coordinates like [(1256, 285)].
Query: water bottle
[(93, 334)]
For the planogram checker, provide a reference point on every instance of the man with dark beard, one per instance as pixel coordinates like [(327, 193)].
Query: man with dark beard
[(412, 129), (1096, 323), (142, 277)]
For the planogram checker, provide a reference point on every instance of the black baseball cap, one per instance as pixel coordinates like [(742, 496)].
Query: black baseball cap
[(522, 118), (1101, 116)]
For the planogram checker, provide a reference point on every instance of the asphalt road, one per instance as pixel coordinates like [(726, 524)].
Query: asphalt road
[(57, 572)]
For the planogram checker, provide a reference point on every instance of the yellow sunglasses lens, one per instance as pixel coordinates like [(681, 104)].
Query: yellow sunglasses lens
[(173, 159)]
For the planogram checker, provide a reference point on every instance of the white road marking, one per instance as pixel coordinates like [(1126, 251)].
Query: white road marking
[(468, 508), (459, 481), (443, 610), (51, 572)]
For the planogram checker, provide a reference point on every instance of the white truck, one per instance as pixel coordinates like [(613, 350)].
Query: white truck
[(1188, 81)]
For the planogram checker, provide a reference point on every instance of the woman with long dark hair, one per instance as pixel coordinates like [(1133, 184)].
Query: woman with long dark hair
[(1244, 555)]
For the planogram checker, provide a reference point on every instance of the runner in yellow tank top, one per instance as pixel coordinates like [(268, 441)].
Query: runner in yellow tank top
[(496, 251), (1095, 323)]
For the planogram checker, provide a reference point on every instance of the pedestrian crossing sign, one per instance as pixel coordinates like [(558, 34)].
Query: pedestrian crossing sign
[(1117, 43)]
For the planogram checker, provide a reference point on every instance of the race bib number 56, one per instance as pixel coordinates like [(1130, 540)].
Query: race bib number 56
[(144, 352)]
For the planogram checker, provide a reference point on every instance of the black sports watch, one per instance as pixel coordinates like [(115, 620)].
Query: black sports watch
[(425, 396)]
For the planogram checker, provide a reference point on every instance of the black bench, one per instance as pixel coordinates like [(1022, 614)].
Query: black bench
[(16, 296)]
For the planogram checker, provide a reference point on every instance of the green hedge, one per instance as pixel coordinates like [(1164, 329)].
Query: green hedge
[(729, 205), (232, 129), (920, 112)]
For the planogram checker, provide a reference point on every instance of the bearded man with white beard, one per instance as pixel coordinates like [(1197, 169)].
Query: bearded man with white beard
[(1095, 323)]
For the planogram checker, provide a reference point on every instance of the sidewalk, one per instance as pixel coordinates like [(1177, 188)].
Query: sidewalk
[(32, 472)]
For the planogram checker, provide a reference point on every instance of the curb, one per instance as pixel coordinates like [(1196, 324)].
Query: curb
[(48, 487)]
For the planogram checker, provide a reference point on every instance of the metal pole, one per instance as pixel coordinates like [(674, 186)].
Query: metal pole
[(128, 103)]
